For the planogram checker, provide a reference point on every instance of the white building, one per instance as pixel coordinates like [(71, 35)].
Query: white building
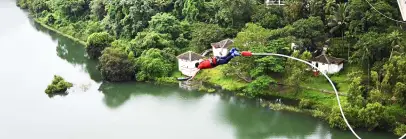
[(186, 62), (275, 2), (402, 8), (328, 64), (221, 48)]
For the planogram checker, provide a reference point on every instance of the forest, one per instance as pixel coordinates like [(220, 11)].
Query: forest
[(140, 39)]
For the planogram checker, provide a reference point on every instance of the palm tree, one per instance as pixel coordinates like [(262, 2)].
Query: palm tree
[(395, 38), (339, 20)]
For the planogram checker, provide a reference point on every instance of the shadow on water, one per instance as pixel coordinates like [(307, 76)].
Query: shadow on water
[(252, 121), (73, 52), (61, 94), (116, 94)]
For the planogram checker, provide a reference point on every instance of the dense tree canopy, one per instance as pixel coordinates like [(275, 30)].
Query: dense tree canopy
[(96, 44), (153, 64), (115, 65)]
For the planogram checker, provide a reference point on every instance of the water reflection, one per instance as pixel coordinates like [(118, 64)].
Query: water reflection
[(73, 52), (61, 94), (252, 121), (116, 94)]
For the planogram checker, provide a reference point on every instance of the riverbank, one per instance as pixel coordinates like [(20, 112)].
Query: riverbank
[(59, 32)]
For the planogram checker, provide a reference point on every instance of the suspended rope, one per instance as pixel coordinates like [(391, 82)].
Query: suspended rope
[(384, 14), (247, 54)]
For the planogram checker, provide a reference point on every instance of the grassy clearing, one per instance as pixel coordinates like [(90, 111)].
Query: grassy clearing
[(216, 77), (340, 78)]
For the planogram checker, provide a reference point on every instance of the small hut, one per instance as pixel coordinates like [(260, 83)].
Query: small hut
[(328, 64), (186, 62), (221, 48), (274, 2)]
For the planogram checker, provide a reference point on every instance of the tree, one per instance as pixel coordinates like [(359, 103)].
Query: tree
[(153, 65), (233, 13), (150, 39), (363, 18), (259, 86), (372, 115), (355, 92), (58, 85), (116, 65), (205, 34), (310, 30), (371, 47), (395, 38), (71, 9), (125, 18), (38, 6), (252, 36), (166, 24), (296, 70), (339, 21), (96, 43), (270, 18), (98, 8), (294, 10), (394, 78), (192, 9)]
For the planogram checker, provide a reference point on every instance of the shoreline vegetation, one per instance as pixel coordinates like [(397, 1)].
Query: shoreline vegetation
[(61, 33), (141, 44)]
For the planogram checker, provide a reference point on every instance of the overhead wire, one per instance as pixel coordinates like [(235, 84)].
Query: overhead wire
[(384, 14)]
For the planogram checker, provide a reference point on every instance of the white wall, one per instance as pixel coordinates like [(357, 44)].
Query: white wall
[(187, 67), (216, 51), (328, 68)]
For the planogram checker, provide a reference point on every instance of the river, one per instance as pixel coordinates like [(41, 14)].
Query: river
[(30, 55)]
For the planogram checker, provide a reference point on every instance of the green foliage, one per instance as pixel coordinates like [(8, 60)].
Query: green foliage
[(372, 115), (310, 30), (71, 9), (166, 24), (23, 3), (116, 65), (150, 39), (400, 130), (49, 19), (233, 13), (152, 65), (268, 18), (205, 34), (371, 47), (98, 8), (355, 92), (125, 18), (336, 120), (251, 37), (296, 71), (38, 6), (306, 104), (58, 85), (96, 43), (338, 47), (259, 86), (192, 9)]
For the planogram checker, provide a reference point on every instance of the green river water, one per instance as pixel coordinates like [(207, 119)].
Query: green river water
[(30, 55)]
